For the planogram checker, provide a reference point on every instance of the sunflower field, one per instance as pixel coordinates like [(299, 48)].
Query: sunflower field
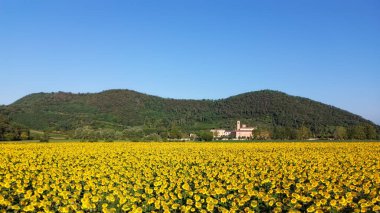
[(190, 177)]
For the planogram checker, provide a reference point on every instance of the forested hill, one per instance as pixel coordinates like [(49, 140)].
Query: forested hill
[(122, 109)]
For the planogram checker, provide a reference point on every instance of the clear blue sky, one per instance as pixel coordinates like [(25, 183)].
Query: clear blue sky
[(325, 50)]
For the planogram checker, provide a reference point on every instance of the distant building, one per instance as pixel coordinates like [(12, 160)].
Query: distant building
[(218, 133), (241, 132), (193, 136)]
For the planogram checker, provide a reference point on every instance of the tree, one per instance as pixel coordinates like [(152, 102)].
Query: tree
[(153, 137), (370, 131), (261, 134), (108, 135), (164, 135), (303, 133), (25, 135), (256, 133), (279, 133), (358, 132), (175, 133), (10, 131), (9, 136), (44, 137), (340, 133), (134, 134), (205, 136)]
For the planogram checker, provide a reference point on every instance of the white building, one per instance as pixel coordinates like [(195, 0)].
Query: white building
[(218, 133), (241, 132)]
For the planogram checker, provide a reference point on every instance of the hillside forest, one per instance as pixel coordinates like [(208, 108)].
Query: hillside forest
[(128, 115)]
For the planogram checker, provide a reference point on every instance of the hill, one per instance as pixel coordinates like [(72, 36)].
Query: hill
[(124, 109)]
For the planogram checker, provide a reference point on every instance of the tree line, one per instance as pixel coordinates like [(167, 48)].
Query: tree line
[(357, 132), (137, 134), (12, 132)]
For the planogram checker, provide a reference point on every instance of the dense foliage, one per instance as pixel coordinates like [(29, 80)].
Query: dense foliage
[(190, 177), (11, 131), (281, 115), (360, 131)]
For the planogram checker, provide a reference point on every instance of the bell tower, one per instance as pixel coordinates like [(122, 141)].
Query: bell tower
[(238, 125)]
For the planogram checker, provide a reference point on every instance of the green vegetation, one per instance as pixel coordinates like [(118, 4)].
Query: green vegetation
[(12, 132), (126, 114), (45, 137), (205, 136), (356, 132)]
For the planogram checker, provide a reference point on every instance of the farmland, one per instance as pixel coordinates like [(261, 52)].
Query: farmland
[(193, 177)]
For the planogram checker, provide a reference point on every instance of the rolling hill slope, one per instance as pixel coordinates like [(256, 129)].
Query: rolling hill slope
[(120, 109)]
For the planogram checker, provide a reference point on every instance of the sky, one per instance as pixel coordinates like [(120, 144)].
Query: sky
[(325, 50)]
